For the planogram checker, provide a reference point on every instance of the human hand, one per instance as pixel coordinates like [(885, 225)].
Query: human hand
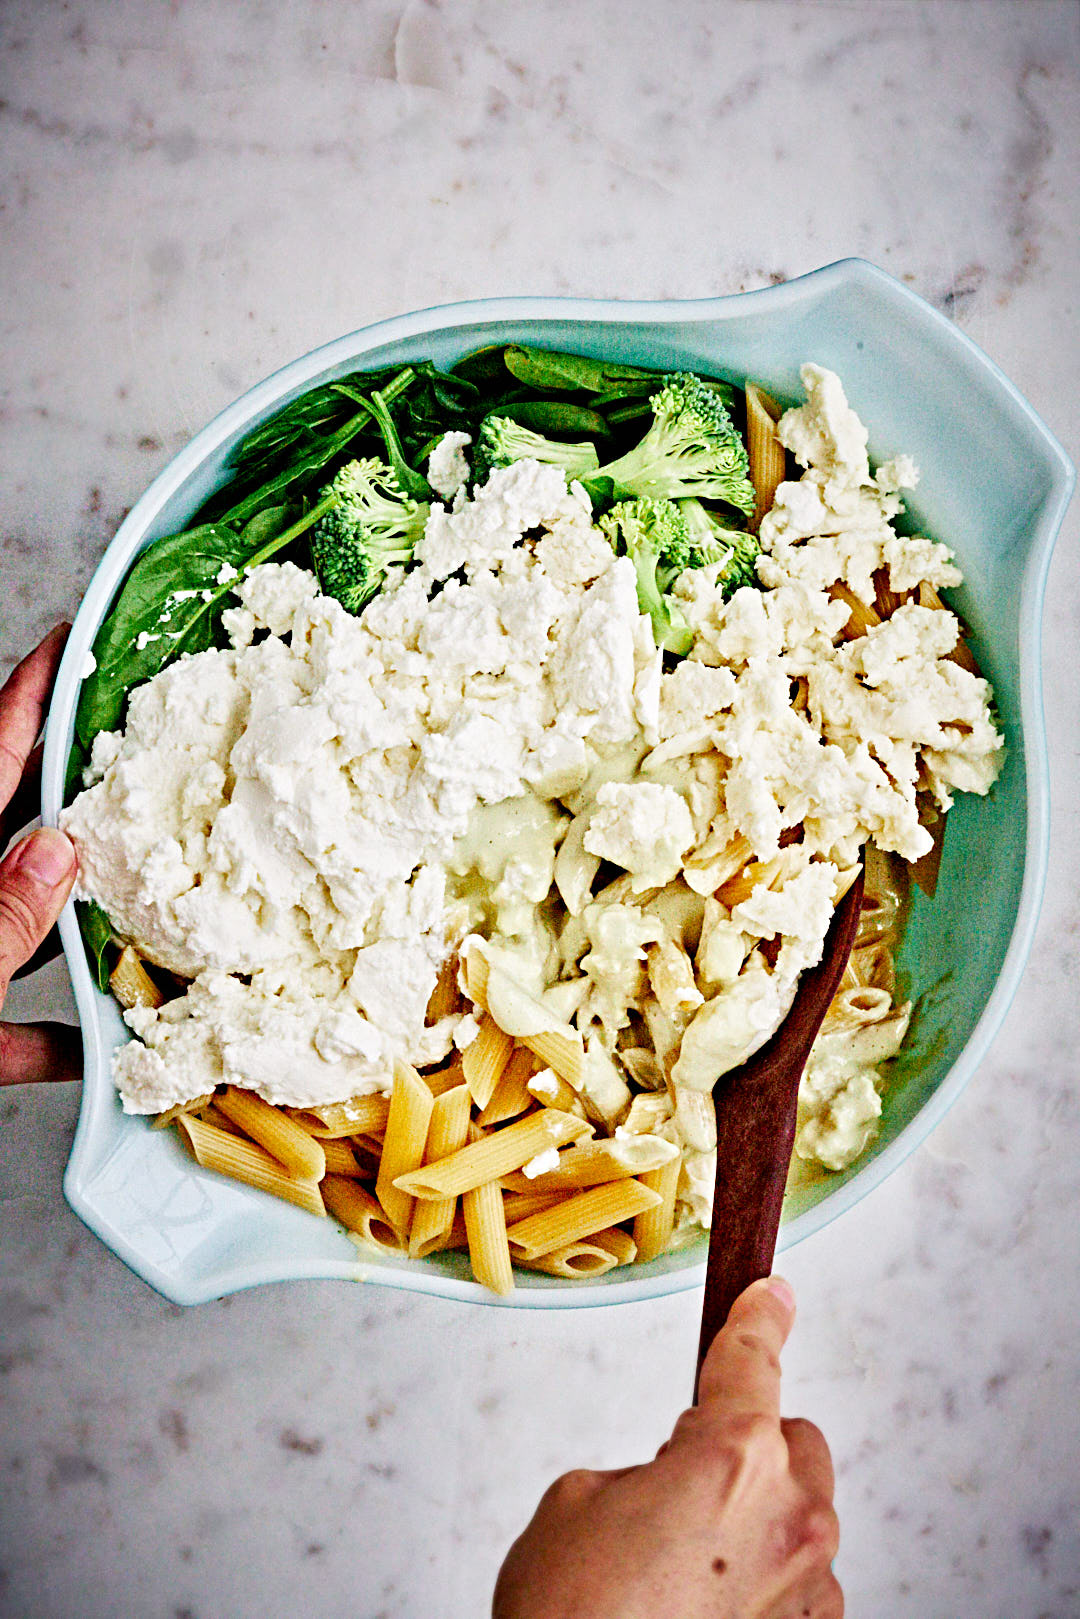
[(733, 1520), (36, 876)]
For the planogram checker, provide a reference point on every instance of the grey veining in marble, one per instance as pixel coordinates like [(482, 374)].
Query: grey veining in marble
[(194, 192)]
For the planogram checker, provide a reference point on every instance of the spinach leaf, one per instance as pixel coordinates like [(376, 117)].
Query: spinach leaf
[(485, 369), (97, 932), (414, 483), (316, 413), (303, 466), (77, 761), (546, 369), (554, 416), (171, 602), (160, 600)]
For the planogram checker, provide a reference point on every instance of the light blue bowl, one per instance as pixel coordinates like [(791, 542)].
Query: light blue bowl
[(994, 486)]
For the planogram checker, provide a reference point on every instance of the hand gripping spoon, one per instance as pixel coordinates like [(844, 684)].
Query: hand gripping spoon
[(755, 1128)]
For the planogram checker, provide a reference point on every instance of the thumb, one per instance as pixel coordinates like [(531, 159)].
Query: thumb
[(35, 880), (741, 1373)]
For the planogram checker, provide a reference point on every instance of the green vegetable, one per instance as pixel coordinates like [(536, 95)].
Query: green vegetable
[(371, 525), (691, 448), (97, 932), (170, 601), (556, 416), (655, 535), (378, 403), (549, 368), (303, 467), (710, 535), (503, 441)]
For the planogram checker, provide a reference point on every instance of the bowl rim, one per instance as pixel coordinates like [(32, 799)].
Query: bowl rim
[(291, 378)]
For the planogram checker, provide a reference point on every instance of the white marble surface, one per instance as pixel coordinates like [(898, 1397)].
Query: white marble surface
[(193, 193)]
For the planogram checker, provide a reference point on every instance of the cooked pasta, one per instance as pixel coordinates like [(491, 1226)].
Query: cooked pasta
[(411, 1103), (447, 1133), (361, 1214), (493, 1155), (245, 1161), (295, 1150), (768, 464), (489, 1251), (580, 1216), (513, 1093), (483, 1061), (653, 1227)]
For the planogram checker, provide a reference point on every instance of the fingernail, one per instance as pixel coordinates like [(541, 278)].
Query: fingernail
[(47, 856), (783, 1291)]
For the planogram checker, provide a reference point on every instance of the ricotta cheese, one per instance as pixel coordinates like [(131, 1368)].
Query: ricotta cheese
[(447, 468)]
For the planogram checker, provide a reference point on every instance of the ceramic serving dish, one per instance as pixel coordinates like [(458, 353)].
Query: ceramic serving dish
[(994, 486)]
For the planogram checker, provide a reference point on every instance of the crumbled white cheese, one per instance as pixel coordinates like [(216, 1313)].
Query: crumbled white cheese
[(483, 533), (291, 806), (447, 468), (643, 827), (542, 1164)]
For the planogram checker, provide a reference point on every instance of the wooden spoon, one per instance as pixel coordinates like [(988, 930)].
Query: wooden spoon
[(755, 1129)]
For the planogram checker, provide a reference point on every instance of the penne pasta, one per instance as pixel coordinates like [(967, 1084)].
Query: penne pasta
[(283, 1138), (886, 599), (403, 1145), (341, 1159), (210, 1114), (131, 983), (617, 1242), (768, 465), (580, 1216), (653, 1227), (712, 865), (246, 1161), (857, 1006), (196, 1105), (494, 1155), (445, 1079), (361, 1214), (592, 1163), (551, 1090), (924, 871), (446, 997), (358, 1116), (519, 1205), (483, 1062), (456, 1237), (476, 977), (754, 875), (862, 617), (489, 1251), (586, 1258), (447, 1132), (562, 1051), (512, 1095)]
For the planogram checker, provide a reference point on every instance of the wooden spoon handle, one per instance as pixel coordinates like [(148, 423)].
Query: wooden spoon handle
[(756, 1107)]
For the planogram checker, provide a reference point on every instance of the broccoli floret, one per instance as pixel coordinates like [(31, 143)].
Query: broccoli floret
[(655, 535), (714, 542), (374, 526), (503, 441), (691, 448)]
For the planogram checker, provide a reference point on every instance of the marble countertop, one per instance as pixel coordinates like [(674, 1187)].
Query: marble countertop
[(194, 193)]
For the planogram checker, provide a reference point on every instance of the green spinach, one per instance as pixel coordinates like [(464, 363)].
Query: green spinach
[(97, 932)]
